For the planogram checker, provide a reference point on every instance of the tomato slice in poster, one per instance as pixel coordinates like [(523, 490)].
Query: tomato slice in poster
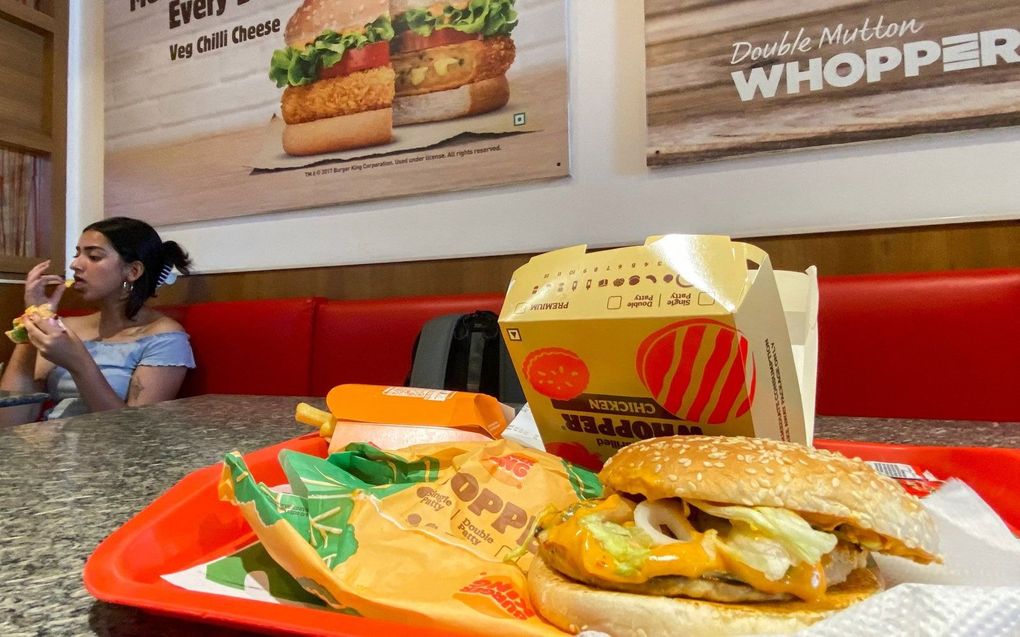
[(354, 60)]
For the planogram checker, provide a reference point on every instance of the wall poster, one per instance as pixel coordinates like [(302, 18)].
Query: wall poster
[(749, 76), (222, 108)]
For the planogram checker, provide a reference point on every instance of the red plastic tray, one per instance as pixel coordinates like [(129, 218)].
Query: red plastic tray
[(189, 525), (992, 472)]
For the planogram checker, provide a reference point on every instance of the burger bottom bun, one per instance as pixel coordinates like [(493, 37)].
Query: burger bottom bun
[(575, 607), (471, 99), (367, 128)]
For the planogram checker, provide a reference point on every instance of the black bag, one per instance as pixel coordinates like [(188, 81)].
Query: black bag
[(465, 352)]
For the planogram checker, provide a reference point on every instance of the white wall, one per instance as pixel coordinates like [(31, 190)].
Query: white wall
[(611, 198)]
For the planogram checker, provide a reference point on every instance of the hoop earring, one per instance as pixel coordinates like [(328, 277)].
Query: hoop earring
[(128, 287)]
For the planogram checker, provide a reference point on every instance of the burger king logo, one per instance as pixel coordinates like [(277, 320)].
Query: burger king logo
[(515, 464), (556, 372), (496, 596), (510, 469), (699, 370)]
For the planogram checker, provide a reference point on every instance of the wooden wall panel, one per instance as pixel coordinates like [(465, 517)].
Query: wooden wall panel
[(23, 67), (951, 247)]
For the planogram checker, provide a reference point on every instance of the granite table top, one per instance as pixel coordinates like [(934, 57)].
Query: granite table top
[(67, 484)]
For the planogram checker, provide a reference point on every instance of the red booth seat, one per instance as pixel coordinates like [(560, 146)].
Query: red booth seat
[(942, 345), (249, 347), (938, 345), (371, 341), (306, 346)]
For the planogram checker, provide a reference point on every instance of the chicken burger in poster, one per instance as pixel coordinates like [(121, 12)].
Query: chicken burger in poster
[(337, 74), (451, 58), (713, 535)]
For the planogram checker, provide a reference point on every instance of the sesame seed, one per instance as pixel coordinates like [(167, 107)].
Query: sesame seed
[(751, 470), (698, 477)]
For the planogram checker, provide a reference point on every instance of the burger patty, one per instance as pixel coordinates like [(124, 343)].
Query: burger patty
[(366, 90), (844, 559), (448, 67)]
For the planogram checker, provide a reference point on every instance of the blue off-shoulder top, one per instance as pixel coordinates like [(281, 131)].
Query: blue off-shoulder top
[(117, 362)]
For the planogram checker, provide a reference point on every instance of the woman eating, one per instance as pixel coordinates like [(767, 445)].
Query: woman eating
[(126, 353)]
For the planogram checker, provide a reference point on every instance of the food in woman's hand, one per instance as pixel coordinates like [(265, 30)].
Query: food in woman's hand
[(18, 333), (713, 535)]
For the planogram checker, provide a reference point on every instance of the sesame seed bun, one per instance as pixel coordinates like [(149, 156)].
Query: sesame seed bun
[(315, 16), (824, 488), (574, 607)]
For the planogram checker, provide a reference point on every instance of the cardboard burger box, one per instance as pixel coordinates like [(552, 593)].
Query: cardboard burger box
[(686, 334)]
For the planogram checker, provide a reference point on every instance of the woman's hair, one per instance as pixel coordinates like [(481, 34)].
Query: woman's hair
[(136, 240)]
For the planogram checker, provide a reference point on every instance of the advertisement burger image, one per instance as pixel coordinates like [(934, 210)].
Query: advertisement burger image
[(337, 74), (450, 58), (710, 535)]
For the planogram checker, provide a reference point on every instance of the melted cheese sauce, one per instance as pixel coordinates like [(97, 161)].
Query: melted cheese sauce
[(570, 540)]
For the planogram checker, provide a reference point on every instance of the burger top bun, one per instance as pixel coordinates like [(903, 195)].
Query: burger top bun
[(825, 488), (315, 16), (574, 607)]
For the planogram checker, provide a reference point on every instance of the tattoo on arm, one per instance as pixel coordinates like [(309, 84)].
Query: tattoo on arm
[(135, 390)]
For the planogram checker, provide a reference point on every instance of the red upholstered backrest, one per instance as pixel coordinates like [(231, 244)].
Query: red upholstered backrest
[(940, 345), (370, 341), (250, 347)]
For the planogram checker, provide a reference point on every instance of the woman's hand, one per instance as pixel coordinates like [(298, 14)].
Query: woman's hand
[(55, 342), (35, 286)]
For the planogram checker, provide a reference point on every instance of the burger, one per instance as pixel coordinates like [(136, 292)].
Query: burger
[(709, 535), (18, 332), (450, 58), (337, 74)]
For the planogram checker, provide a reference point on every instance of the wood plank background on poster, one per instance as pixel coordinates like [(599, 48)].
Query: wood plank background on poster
[(883, 69)]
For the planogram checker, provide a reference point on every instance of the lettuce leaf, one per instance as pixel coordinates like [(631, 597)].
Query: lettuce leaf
[(487, 17), (761, 553), (297, 67), (629, 546), (803, 543)]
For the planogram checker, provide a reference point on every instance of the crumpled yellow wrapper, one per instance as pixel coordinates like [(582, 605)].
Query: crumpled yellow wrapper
[(418, 535)]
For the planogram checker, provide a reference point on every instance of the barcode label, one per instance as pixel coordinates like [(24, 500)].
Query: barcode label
[(895, 470), (439, 395)]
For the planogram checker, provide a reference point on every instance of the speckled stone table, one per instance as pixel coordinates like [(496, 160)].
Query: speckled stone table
[(67, 484)]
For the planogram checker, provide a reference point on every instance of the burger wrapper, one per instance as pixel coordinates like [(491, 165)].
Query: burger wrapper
[(419, 535)]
